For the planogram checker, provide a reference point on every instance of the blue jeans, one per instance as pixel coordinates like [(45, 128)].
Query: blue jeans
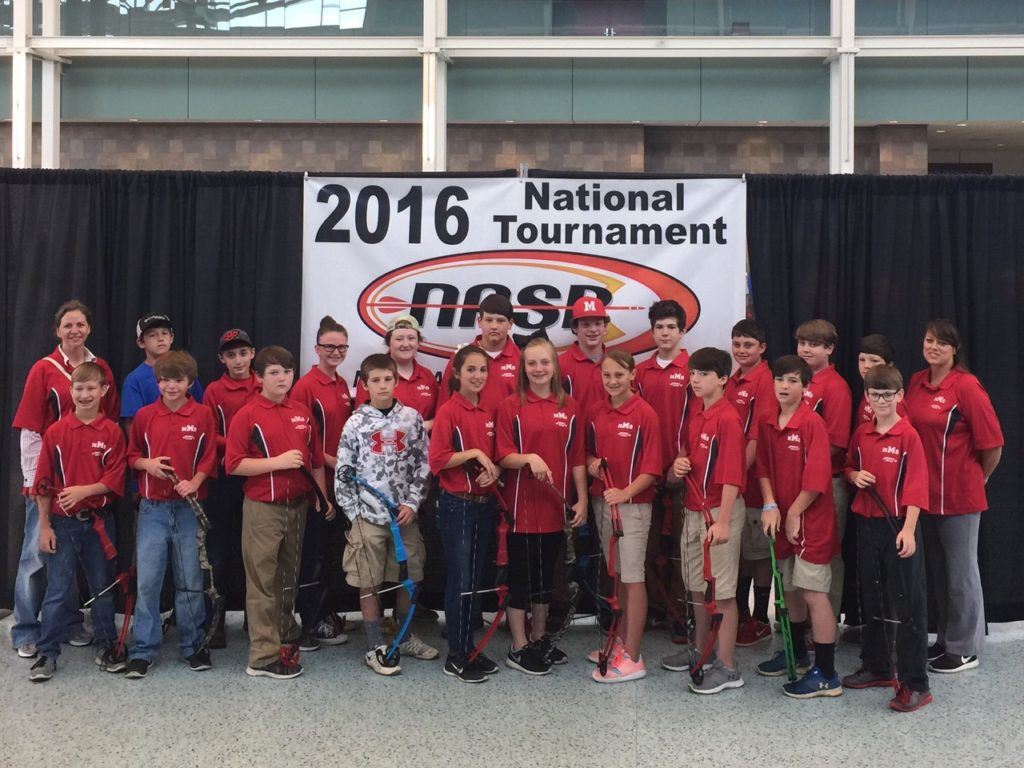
[(163, 526), (30, 585), (467, 531), (77, 543)]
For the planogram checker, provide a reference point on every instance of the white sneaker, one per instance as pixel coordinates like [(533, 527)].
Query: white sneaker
[(376, 659), (413, 646), (27, 650)]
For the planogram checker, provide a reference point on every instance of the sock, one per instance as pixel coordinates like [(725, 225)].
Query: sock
[(825, 658), (742, 592), (373, 636), (799, 631), (761, 597)]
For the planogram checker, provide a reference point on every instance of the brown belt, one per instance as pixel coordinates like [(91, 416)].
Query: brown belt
[(470, 497)]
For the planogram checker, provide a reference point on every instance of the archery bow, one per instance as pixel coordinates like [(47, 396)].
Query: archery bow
[(782, 614), (348, 475), (710, 605), (613, 599)]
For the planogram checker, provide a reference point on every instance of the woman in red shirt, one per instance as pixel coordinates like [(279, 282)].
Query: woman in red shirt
[(963, 443), (539, 439), (417, 385)]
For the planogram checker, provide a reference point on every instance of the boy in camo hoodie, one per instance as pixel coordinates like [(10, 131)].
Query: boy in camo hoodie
[(383, 445)]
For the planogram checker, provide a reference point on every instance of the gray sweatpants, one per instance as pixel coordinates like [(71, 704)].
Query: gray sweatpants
[(951, 562)]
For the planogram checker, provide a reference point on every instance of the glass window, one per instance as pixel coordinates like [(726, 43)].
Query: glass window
[(940, 17)]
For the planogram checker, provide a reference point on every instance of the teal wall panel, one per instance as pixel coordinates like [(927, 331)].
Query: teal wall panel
[(118, 89), (995, 89), (917, 90), (487, 90), (620, 91), (765, 89), (369, 89), (251, 89)]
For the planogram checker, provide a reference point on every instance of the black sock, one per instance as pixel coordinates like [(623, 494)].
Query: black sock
[(825, 658), (761, 597), (799, 638), (743, 596)]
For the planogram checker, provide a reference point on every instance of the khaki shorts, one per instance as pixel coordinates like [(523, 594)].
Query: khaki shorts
[(632, 548), (755, 544), (797, 573), (725, 558), (369, 558)]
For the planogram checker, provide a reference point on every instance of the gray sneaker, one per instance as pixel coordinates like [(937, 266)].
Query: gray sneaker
[(676, 662), (413, 646), (42, 670), (27, 650), (717, 679), (81, 637)]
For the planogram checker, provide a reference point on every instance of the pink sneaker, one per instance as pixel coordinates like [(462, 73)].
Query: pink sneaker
[(595, 655), (621, 669)]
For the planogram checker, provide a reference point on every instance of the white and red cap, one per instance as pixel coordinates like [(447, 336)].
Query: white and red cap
[(588, 307)]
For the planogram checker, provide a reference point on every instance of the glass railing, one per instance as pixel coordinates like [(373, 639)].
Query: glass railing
[(940, 17), (638, 17)]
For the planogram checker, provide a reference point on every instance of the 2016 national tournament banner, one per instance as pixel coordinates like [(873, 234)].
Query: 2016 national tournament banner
[(433, 247)]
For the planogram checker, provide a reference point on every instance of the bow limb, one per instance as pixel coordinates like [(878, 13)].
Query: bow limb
[(710, 606), (604, 654), (782, 613), (500, 576)]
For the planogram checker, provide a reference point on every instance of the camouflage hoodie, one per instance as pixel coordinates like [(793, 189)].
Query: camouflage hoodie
[(390, 453)]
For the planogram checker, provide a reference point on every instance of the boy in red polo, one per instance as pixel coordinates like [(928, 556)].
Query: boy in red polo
[(225, 397), (270, 440), (173, 447), (581, 363), (886, 463), (829, 395), (79, 474), (794, 470), (751, 390), (875, 349), (715, 470)]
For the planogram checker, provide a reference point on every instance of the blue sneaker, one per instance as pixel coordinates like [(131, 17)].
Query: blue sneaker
[(814, 684), (776, 665)]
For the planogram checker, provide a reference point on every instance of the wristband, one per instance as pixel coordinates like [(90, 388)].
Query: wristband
[(766, 507)]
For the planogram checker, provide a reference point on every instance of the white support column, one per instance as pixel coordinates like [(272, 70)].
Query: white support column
[(50, 149), (435, 87), (21, 87), (841, 88)]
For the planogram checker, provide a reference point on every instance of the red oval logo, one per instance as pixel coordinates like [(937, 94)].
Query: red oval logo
[(443, 294)]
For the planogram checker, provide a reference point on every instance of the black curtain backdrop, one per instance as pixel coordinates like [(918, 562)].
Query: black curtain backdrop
[(872, 254)]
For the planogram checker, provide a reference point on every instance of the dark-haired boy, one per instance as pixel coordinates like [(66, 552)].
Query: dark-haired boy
[(794, 470), (886, 463), (875, 349), (715, 470), (751, 391), (829, 395), (79, 474), (494, 318), (384, 443), (270, 440), (581, 363), (175, 436), (154, 335)]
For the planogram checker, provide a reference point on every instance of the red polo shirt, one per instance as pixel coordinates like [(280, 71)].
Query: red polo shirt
[(187, 436), (264, 429), (753, 397), (629, 439), (865, 415), (582, 377), (715, 445), (829, 395), (539, 425), (667, 391), (955, 420), (460, 426), (47, 394), (76, 453), (330, 403), (896, 459), (501, 376), (796, 458), (419, 391), (224, 397)]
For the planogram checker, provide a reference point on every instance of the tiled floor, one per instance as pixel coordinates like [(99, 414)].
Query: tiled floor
[(339, 714)]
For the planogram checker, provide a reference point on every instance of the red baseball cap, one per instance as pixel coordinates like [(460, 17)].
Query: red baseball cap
[(588, 306)]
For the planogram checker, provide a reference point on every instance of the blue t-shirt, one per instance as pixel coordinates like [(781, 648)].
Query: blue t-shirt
[(140, 388)]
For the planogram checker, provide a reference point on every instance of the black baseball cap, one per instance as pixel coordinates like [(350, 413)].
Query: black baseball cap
[(236, 337), (149, 321)]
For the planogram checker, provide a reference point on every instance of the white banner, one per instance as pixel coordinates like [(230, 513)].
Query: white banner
[(432, 247)]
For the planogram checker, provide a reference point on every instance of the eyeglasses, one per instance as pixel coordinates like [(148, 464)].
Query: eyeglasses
[(332, 348), (885, 396)]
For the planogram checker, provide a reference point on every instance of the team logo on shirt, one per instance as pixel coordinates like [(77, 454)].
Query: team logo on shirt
[(677, 380), (937, 402), (794, 441), (392, 438)]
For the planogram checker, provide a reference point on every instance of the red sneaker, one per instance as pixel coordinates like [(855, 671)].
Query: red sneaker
[(907, 700), (752, 632)]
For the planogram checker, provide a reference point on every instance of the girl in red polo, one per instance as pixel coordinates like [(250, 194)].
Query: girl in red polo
[(963, 443), (326, 395), (461, 453), (539, 440)]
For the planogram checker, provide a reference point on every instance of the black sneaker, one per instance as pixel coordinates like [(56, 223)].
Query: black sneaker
[(936, 651), (308, 643), (112, 661), (137, 669), (527, 660), (484, 664), (42, 670), (275, 670), (949, 663), (199, 661), (457, 668), (553, 655)]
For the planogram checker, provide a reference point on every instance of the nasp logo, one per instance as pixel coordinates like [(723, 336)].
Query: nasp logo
[(443, 295)]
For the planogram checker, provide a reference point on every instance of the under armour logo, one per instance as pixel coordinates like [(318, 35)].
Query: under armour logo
[(380, 440)]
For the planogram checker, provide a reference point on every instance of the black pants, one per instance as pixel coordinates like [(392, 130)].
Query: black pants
[(893, 588), (320, 587), (224, 539), (531, 567)]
